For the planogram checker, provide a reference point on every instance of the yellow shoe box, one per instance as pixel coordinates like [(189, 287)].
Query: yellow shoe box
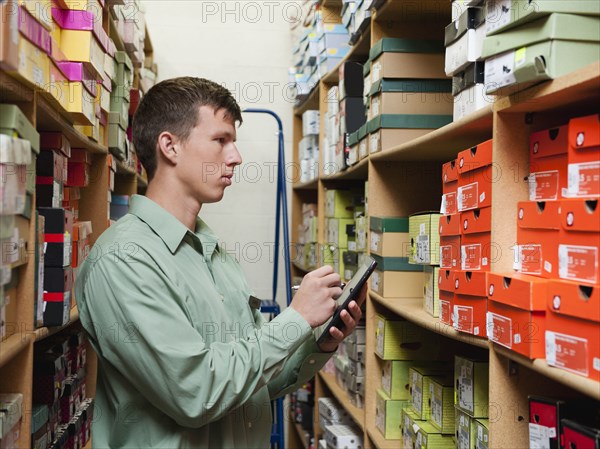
[(403, 340), (420, 393), (388, 413), (82, 46)]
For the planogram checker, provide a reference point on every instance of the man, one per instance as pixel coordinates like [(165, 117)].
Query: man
[(184, 356)]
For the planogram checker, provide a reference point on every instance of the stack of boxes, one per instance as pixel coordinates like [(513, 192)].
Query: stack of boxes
[(410, 95), (62, 414), (549, 308), (389, 245), (356, 17), (308, 149), (11, 413), (118, 118), (332, 46), (302, 402), (464, 45), (308, 235), (471, 378), (527, 44)]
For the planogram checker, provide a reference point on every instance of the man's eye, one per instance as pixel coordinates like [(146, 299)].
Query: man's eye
[(221, 140)]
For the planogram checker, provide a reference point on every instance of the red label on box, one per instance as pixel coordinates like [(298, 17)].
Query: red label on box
[(445, 312), (544, 186), (463, 319), (499, 329), (471, 257), (578, 263), (567, 352), (446, 258), (529, 259), (584, 179), (468, 197), (449, 205)]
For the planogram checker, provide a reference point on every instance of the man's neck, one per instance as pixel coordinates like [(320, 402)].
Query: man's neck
[(182, 207)]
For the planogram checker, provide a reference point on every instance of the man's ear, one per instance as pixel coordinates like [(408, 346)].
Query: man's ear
[(168, 146)]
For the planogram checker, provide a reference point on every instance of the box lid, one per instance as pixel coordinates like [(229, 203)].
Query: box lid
[(122, 58), (389, 224), (553, 27), (362, 132), (395, 264), (584, 132), (539, 215), (116, 118), (353, 138), (574, 299), (11, 118), (393, 45), (581, 215), (473, 74), (412, 121), (518, 290), (366, 68), (411, 85), (333, 28), (14, 150), (476, 157), (470, 19)]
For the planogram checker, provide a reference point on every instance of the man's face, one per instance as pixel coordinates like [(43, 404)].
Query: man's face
[(209, 156)]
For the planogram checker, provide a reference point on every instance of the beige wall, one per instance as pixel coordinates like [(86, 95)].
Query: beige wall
[(246, 46)]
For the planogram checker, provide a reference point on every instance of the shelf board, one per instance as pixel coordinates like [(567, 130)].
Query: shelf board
[(114, 35), (434, 10), (569, 90), (358, 414), (359, 52), (412, 310), (45, 332), (379, 441), (443, 143), (309, 185), (13, 91), (49, 119), (12, 346), (310, 102), (123, 169), (358, 171), (331, 3), (579, 383), (300, 431)]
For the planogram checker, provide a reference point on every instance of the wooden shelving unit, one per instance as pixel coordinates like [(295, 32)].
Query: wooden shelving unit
[(309, 185), (407, 178)]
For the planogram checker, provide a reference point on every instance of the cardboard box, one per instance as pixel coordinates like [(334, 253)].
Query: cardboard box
[(13, 121), (466, 430), (395, 380), (387, 415), (576, 435), (501, 18), (408, 426), (428, 437), (83, 46), (464, 40), (548, 163), (471, 378), (475, 177), (406, 58), (9, 36), (470, 302), (470, 100), (431, 291), (77, 100), (420, 393), (336, 231), (15, 156), (477, 250), (395, 277), (389, 130), (339, 203), (442, 404), (446, 288), (450, 240), (389, 236), (58, 236), (340, 436), (402, 340), (424, 238), (579, 241), (584, 156), (449, 188), (538, 226), (397, 96), (541, 50), (572, 340)]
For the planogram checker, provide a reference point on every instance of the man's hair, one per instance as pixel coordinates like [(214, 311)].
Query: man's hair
[(172, 105)]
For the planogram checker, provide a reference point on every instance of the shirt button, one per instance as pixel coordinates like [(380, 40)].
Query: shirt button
[(222, 297), (249, 425), (311, 361)]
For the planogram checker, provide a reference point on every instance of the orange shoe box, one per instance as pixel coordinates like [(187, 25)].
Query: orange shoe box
[(476, 239), (470, 302), (579, 241), (538, 226), (516, 315), (475, 177), (449, 188), (548, 163), (584, 157), (572, 323), (450, 241), (446, 288)]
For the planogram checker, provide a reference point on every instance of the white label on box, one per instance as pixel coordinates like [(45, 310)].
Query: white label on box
[(352, 245), (548, 266), (465, 393), (417, 399), (520, 56), (498, 14), (543, 185), (422, 229), (419, 440), (375, 282), (578, 263), (550, 348), (499, 71), (375, 106), (567, 352), (596, 363), (584, 179), (386, 378), (422, 250), (363, 150), (375, 239), (380, 334), (539, 437), (375, 72), (476, 330), (437, 410), (374, 143), (380, 416), (517, 338), (443, 207)]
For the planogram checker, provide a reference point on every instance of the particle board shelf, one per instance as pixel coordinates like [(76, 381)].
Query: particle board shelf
[(359, 52), (308, 185), (357, 414), (356, 172), (310, 102), (379, 441), (301, 434), (13, 91), (579, 383), (443, 143), (412, 310), (45, 332), (331, 3), (10, 347), (399, 11)]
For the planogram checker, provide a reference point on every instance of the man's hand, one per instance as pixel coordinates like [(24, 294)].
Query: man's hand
[(314, 300), (350, 317)]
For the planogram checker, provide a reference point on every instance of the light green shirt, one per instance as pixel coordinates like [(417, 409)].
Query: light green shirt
[(183, 359)]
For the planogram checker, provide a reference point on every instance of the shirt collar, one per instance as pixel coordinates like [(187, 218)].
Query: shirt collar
[(170, 229)]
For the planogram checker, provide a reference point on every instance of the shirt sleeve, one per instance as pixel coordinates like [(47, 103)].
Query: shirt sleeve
[(164, 356)]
